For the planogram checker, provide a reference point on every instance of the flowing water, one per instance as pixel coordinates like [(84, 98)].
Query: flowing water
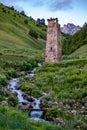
[(13, 88)]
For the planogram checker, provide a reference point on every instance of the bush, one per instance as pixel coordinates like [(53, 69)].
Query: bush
[(3, 80), (22, 12), (42, 36), (33, 33), (11, 73), (26, 21), (3, 10), (13, 101), (27, 88), (12, 7), (11, 119), (36, 93)]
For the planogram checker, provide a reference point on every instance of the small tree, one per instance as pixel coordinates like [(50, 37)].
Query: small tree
[(33, 33), (3, 10), (12, 7), (22, 12), (26, 21)]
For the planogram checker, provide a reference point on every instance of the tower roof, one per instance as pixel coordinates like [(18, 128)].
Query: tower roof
[(53, 19)]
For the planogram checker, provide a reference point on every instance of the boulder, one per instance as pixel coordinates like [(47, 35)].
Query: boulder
[(50, 118), (24, 107), (59, 121), (25, 96), (41, 104), (30, 106), (60, 103), (30, 99), (24, 103), (84, 99), (15, 94), (18, 87), (4, 103), (74, 112)]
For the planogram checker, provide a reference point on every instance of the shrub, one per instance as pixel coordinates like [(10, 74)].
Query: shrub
[(1, 53), (33, 33), (36, 93), (26, 21), (3, 10), (14, 15), (12, 7), (22, 12), (8, 12), (3, 80), (13, 101), (27, 88), (42, 36), (11, 119), (11, 73)]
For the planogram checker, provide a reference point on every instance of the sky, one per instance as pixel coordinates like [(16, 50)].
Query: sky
[(67, 11)]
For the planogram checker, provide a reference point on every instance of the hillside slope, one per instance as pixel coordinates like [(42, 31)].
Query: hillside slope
[(71, 43), (80, 52), (64, 84), (14, 33)]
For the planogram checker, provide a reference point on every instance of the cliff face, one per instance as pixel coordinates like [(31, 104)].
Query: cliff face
[(70, 29)]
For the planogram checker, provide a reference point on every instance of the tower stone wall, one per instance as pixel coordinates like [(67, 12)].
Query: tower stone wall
[(53, 43)]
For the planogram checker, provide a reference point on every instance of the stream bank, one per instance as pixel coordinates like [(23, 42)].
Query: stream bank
[(25, 101)]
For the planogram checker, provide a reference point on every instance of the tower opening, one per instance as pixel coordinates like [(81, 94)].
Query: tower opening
[(51, 49)]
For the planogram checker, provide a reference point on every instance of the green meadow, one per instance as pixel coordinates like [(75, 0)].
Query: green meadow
[(64, 83)]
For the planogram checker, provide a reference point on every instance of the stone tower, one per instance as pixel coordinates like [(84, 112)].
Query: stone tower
[(53, 43)]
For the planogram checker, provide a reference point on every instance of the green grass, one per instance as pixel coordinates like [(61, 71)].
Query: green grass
[(11, 119), (64, 82), (65, 79), (72, 43), (14, 33), (81, 52)]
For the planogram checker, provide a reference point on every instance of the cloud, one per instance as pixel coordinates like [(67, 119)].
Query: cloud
[(38, 3), (8, 2), (60, 5), (52, 5)]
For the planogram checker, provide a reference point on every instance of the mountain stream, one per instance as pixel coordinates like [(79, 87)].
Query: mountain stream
[(24, 99)]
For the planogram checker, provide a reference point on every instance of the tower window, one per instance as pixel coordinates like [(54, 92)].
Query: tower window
[(51, 49)]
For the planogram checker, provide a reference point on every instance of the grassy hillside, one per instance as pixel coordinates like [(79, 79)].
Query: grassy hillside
[(14, 33), (81, 52), (71, 43), (64, 83), (66, 86), (11, 119)]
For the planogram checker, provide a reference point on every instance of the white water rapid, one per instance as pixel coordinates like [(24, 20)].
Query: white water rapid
[(12, 86)]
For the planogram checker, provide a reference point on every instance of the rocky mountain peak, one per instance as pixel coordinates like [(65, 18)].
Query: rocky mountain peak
[(70, 28)]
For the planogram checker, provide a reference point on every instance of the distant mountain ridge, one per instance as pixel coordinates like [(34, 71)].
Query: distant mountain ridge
[(73, 42), (70, 28)]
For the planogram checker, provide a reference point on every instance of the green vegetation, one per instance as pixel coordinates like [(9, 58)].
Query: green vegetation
[(81, 52), (11, 119), (64, 83), (66, 86), (65, 79), (14, 34), (33, 33), (71, 43)]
